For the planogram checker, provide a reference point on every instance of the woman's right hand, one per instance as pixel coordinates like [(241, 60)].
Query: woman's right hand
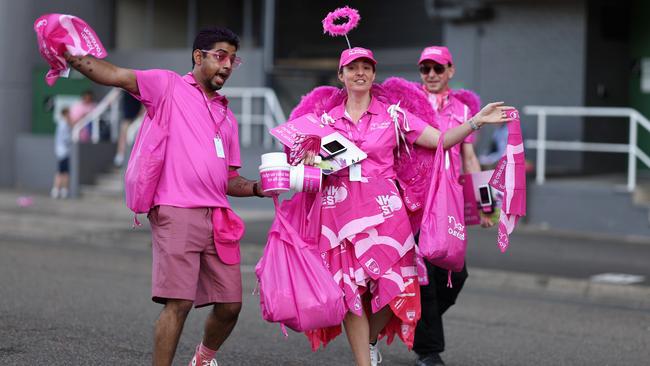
[(493, 113)]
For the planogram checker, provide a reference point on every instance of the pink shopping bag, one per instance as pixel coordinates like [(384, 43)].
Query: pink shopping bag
[(60, 33), (442, 234), (296, 289)]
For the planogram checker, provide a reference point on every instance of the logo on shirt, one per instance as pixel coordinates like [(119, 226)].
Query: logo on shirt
[(372, 266), (405, 329), (379, 125), (333, 195), (389, 203), (357, 302)]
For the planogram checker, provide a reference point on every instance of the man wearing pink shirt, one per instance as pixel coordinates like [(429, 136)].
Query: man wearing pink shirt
[(195, 235), (436, 69)]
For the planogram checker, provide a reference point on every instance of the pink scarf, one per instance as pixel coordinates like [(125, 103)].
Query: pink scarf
[(60, 33), (510, 178)]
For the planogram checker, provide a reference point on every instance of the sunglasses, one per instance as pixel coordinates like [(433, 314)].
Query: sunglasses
[(437, 68), (220, 56)]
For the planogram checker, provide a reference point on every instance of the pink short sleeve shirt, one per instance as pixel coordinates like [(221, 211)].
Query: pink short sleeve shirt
[(452, 114), (374, 133), (193, 174)]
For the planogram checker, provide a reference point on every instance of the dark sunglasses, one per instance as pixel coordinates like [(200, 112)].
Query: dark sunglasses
[(426, 69)]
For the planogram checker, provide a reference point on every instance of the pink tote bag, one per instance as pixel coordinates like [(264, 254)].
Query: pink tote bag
[(442, 234), (295, 288)]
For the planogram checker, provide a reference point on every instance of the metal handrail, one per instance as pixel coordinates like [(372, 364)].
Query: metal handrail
[(271, 116), (631, 148), (111, 103)]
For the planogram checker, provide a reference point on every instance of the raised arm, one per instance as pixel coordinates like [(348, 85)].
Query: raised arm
[(104, 73), (491, 113)]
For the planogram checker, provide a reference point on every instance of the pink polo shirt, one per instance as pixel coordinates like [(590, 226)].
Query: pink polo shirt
[(450, 114), (374, 133), (193, 175)]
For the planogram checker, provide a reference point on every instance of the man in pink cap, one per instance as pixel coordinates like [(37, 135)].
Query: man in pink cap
[(195, 234), (452, 108)]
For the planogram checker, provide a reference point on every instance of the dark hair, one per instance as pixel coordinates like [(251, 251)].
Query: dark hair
[(87, 92), (207, 37)]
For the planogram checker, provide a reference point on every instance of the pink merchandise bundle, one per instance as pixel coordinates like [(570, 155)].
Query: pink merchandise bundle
[(61, 33), (510, 178)]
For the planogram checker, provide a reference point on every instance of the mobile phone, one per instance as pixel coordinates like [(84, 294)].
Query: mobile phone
[(485, 198), (332, 149)]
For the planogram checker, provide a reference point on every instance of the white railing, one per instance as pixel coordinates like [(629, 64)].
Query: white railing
[(631, 148), (271, 114), (110, 103)]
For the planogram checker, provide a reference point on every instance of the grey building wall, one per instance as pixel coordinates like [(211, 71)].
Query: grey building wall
[(532, 52), (19, 55), (15, 90)]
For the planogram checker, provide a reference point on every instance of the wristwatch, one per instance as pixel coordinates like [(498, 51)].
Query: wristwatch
[(473, 124)]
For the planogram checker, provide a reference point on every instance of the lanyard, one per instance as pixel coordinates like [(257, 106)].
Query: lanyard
[(217, 125)]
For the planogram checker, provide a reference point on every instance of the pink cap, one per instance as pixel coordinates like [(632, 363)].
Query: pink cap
[(437, 54), (355, 53)]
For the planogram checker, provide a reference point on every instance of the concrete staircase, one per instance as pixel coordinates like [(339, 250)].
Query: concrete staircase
[(107, 185)]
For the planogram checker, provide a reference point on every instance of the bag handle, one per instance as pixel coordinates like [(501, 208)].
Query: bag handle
[(286, 225), (442, 153)]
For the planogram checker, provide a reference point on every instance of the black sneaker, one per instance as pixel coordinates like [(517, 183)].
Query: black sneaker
[(432, 359)]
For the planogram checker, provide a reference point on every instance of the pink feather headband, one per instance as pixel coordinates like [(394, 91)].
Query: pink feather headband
[(351, 17)]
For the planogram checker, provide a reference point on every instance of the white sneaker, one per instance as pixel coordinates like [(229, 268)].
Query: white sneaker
[(375, 355), (118, 160), (54, 193), (197, 361), (63, 193)]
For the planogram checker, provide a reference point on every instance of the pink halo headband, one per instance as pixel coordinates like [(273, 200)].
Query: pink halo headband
[(352, 16)]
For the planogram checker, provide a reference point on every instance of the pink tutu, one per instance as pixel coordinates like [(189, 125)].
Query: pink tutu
[(367, 244)]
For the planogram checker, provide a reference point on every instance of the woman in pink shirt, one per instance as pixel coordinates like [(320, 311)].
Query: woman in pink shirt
[(366, 240)]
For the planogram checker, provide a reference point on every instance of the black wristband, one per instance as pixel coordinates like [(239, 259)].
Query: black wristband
[(255, 185)]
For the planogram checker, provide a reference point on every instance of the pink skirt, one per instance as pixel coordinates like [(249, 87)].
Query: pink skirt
[(367, 244)]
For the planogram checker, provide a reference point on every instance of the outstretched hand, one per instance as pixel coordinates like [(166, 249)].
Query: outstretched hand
[(494, 113)]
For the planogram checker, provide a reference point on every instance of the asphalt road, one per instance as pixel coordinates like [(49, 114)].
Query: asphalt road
[(75, 290)]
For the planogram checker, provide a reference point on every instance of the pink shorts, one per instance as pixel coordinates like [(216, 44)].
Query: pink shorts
[(185, 262)]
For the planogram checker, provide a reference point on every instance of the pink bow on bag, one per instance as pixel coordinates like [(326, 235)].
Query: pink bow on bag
[(60, 33), (510, 178)]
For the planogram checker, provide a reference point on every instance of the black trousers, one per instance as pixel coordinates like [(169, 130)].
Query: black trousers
[(435, 299)]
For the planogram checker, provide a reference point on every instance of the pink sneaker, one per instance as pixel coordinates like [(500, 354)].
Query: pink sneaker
[(198, 361)]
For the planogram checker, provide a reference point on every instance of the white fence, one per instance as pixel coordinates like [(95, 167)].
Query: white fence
[(635, 118)]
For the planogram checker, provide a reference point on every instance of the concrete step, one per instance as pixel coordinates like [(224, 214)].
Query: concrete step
[(589, 204), (110, 185)]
